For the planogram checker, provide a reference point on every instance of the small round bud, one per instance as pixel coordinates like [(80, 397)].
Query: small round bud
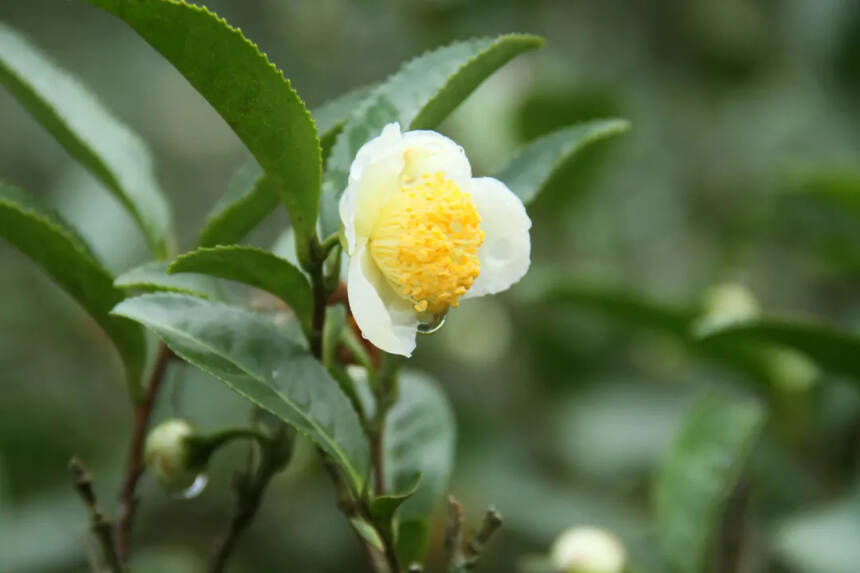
[(167, 454), (588, 550), (726, 304)]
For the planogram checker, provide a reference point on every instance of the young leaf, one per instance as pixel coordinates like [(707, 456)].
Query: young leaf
[(251, 196), (153, 277), (40, 234), (331, 116), (419, 438), (829, 347), (533, 166), (382, 507), (79, 122), (699, 474), (254, 358), (247, 90), (419, 96), (254, 267)]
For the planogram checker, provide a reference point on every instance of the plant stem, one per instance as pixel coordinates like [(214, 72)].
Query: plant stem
[(134, 467), (454, 535), (492, 522), (98, 523), (249, 493)]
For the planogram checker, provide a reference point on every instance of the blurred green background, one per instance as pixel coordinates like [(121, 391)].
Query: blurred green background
[(743, 166)]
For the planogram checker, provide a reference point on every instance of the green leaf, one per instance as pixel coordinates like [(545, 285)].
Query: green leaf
[(419, 438), (153, 277), (79, 122), (828, 346), (331, 116), (697, 477), (247, 90), (822, 538), (254, 358), (40, 234), (771, 364), (382, 507), (533, 166), (254, 267), (251, 196), (419, 96), (839, 185), (618, 303)]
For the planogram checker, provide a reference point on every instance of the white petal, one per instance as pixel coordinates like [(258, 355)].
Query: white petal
[(374, 174), (505, 254), (428, 152), (375, 148), (386, 320)]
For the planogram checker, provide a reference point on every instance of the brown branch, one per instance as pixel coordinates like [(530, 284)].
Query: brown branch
[(492, 522), (134, 467), (100, 526), (454, 535)]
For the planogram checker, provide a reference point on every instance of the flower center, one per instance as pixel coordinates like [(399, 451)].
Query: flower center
[(426, 242)]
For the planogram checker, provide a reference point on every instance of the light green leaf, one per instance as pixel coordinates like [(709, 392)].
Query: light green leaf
[(253, 357), (255, 267), (419, 438), (771, 364), (839, 185), (823, 538), (247, 90), (618, 303), (829, 347), (79, 122), (382, 507), (40, 234), (532, 167), (697, 477), (251, 196), (419, 96), (153, 277), (332, 115)]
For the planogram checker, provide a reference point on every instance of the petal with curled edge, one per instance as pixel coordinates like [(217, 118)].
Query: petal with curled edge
[(427, 152), (388, 321), (374, 174), (505, 254)]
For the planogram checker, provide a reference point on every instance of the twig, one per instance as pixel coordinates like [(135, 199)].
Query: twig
[(346, 503), (134, 467), (454, 535), (492, 522), (249, 493), (100, 526)]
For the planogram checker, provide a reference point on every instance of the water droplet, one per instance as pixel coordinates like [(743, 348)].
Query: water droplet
[(195, 489), (435, 323)]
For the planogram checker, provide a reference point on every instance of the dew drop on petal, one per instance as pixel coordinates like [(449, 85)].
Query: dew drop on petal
[(195, 489), (435, 323)]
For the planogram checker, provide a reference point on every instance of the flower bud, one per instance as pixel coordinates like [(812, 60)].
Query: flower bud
[(167, 454), (588, 550), (726, 304)]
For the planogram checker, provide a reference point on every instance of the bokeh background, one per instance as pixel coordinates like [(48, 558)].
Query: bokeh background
[(742, 111)]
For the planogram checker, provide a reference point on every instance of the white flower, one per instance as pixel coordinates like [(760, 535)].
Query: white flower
[(422, 233), (588, 550)]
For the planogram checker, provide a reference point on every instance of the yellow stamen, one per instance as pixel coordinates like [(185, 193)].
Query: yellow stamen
[(426, 242)]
